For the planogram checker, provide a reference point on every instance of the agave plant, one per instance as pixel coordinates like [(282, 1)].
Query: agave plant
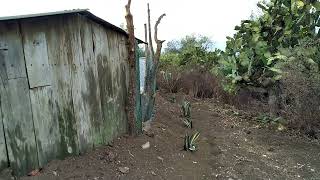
[(186, 109), (190, 142), (187, 122)]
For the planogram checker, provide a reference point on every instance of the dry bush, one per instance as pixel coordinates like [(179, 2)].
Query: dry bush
[(167, 80), (300, 98), (198, 84)]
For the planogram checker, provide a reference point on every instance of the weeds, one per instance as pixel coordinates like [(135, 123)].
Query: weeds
[(279, 122)]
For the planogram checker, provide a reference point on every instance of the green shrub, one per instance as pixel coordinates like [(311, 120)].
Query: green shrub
[(252, 53)]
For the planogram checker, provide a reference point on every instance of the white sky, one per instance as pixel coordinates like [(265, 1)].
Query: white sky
[(213, 18)]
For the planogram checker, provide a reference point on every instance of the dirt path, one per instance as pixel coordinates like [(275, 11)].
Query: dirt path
[(230, 147)]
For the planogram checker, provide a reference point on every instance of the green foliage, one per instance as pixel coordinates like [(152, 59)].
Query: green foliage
[(190, 51), (286, 31), (252, 54), (266, 119), (190, 142)]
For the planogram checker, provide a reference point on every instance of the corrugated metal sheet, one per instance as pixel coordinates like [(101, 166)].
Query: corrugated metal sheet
[(84, 12)]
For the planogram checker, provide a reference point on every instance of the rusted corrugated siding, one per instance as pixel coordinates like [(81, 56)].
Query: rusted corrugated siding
[(72, 93)]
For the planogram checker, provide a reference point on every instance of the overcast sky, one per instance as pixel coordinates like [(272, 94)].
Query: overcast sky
[(213, 18)]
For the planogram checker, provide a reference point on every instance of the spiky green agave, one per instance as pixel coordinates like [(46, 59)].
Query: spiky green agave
[(190, 142), (186, 109), (188, 123)]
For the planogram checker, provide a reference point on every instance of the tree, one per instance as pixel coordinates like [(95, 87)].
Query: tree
[(130, 108), (252, 53), (191, 50)]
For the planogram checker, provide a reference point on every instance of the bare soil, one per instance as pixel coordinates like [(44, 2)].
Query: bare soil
[(231, 146)]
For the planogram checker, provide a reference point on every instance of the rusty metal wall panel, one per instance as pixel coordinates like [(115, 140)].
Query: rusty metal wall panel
[(11, 50)]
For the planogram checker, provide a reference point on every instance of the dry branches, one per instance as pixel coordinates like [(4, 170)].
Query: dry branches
[(159, 42)]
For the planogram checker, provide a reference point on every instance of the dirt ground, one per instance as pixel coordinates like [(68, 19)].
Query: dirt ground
[(231, 146)]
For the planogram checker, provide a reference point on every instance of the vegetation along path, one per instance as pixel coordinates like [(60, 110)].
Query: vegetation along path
[(230, 146)]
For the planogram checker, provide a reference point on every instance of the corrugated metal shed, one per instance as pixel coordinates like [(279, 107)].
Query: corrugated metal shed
[(84, 12)]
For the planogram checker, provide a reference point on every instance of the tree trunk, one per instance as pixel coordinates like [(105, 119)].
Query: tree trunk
[(152, 67), (130, 107)]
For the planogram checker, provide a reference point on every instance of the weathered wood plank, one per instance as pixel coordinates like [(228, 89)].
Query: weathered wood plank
[(113, 103), (39, 76), (15, 101), (11, 50), (19, 127), (3, 79), (4, 107), (36, 55), (117, 44), (3, 58), (60, 56), (123, 77), (92, 97), (79, 86), (46, 126), (106, 81), (3, 152)]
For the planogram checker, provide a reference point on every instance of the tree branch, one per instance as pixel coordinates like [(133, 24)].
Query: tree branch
[(130, 27), (159, 42), (156, 28), (128, 6), (150, 32)]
